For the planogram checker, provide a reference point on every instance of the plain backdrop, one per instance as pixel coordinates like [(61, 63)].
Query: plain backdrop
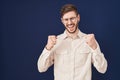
[(25, 25)]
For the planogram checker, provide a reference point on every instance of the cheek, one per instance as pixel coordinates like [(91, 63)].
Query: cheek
[(76, 23), (64, 24)]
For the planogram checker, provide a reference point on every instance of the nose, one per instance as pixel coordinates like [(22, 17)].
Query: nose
[(69, 21)]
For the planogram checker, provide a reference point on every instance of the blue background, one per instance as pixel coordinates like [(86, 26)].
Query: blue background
[(25, 25)]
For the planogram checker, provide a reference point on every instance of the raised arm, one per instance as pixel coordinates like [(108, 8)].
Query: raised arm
[(98, 59), (46, 58)]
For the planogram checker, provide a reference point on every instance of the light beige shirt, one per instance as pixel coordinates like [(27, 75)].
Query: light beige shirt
[(72, 58)]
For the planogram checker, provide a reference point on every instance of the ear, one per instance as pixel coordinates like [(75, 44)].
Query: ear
[(62, 20), (79, 17)]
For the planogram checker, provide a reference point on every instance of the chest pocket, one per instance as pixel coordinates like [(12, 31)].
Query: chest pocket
[(62, 49)]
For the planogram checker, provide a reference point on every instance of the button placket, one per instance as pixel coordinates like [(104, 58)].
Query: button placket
[(73, 57)]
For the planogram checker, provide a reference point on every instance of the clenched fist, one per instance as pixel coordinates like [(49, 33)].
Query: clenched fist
[(51, 42), (90, 40)]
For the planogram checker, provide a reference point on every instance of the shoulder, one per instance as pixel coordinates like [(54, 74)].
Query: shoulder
[(61, 36), (82, 34)]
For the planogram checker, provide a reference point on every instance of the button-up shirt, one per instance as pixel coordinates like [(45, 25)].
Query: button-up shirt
[(72, 58)]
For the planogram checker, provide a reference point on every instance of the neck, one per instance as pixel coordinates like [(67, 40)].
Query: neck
[(73, 35)]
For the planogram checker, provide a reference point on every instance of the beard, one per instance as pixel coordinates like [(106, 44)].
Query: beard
[(71, 28)]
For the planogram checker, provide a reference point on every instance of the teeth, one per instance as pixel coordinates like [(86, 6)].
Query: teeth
[(70, 26)]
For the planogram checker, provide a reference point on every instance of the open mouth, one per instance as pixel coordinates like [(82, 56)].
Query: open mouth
[(71, 28)]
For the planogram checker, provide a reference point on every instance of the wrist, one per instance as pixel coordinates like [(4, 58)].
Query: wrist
[(47, 48)]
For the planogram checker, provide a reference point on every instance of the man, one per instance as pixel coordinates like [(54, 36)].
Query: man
[(72, 52)]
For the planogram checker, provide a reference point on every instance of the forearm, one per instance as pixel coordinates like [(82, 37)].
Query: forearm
[(45, 60), (99, 60)]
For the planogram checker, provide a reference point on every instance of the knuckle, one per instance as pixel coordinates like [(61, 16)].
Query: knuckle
[(49, 36)]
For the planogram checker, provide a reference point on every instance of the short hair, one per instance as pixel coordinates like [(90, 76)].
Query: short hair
[(67, 8)]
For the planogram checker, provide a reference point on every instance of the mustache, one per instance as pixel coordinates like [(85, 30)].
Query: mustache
[(70, 24)]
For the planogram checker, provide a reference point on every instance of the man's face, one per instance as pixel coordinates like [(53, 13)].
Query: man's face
[(70, 21)]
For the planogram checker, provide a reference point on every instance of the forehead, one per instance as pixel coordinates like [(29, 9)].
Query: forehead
[(69, 14)]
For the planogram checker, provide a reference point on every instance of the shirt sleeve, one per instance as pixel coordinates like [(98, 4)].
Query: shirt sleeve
[(45, 60), (98, 59)]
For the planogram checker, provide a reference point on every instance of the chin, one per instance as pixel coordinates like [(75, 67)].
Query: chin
[(71, 31)]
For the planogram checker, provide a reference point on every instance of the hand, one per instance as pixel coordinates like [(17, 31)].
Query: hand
[(51, 42), (90, 40)]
